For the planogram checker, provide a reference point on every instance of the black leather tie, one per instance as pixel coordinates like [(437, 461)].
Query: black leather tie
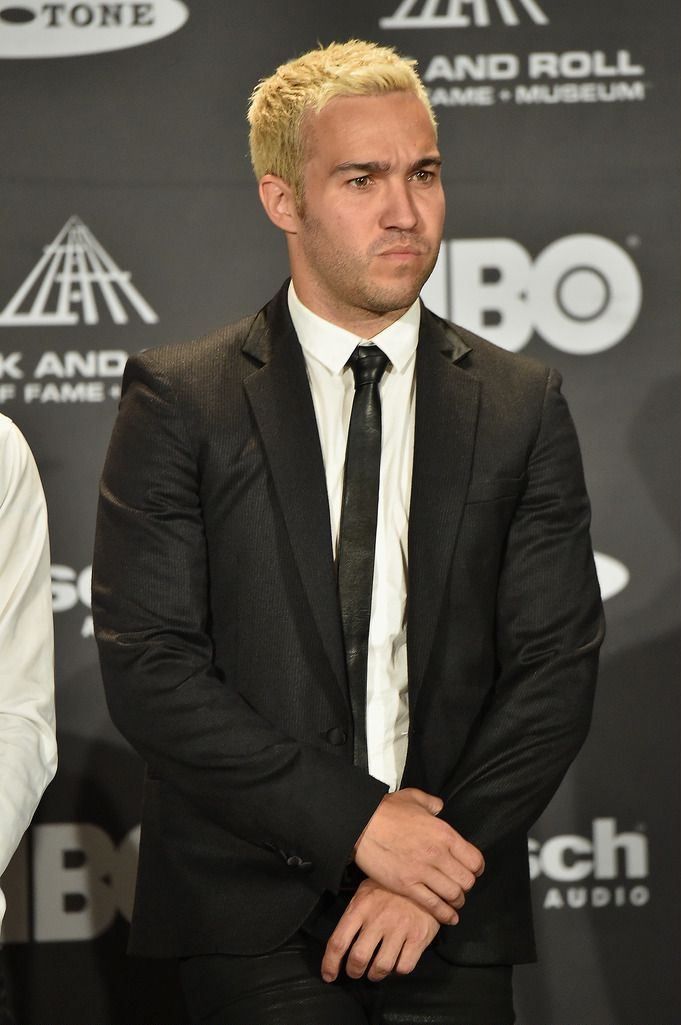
[(357, 541)]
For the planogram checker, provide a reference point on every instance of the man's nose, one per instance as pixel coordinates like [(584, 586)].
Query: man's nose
[(399, 210)]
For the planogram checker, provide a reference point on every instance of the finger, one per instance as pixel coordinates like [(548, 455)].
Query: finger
[(408, 958), (450, 882), (468, 855), (361, 953), (385, 958), (433, 904), (444, 888), (455, 872), (336, 948), (457, 876)]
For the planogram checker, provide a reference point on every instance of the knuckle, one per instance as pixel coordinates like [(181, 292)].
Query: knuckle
[(360, 952), (467, 882), (379, 971), (431, 901), (474, 860), (456, 894), (410, 879)]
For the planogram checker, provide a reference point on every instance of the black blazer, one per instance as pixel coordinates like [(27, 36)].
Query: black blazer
[(216, 616)]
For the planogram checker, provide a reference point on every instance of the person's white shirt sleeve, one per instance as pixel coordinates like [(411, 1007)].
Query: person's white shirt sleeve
[(28, 749)]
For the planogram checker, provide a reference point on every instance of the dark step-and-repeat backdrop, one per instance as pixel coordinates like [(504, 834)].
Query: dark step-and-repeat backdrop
[(129, 218)]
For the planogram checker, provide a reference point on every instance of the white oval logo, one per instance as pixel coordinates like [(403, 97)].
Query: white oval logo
[(70, 29), (582, 293), (613, 575)]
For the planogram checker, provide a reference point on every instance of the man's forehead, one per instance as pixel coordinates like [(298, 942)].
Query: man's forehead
[(358, 105), (347, 120)]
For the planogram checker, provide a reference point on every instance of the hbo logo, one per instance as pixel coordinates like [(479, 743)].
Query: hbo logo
[(582, 294)]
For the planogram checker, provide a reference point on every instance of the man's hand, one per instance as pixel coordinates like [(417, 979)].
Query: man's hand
[(376, 918), (406, 849)]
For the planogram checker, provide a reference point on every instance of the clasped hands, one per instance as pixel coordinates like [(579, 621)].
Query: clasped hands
[(419, 871)]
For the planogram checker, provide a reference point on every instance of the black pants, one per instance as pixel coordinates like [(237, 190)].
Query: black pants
[(285, 988)]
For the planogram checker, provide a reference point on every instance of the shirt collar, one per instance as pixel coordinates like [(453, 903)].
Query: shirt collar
[(332, 346)]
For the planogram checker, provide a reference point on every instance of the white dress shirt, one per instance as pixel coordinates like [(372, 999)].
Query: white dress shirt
[(28, 750), (327, 349)]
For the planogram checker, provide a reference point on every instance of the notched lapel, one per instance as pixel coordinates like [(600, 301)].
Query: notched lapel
[(447, 399), (279, 395)]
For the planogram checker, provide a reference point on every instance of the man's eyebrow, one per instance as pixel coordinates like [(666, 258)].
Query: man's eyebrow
[(382, 166), (434, 161), (368, 167)]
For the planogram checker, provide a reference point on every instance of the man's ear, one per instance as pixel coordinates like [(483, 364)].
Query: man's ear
[(279, 202)]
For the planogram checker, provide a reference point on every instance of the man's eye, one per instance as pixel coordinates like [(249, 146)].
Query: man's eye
[(423, 176), (361, 182)]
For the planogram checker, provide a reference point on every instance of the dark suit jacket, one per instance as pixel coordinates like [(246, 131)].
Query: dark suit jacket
[(221, 648)]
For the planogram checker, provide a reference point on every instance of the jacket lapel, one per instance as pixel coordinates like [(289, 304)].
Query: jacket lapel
[(279, 395), (446, 418)]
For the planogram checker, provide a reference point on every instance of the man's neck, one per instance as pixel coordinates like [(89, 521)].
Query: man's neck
[(363, 323)]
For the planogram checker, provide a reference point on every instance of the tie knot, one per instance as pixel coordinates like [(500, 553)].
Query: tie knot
[(368, 363)]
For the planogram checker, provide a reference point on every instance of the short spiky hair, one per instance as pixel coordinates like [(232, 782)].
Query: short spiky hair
[(279, 103)]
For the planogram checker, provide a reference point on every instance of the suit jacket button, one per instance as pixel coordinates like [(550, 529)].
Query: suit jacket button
[(295, 861), (336, 736)]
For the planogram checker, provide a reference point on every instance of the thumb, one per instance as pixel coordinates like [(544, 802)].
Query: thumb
[(430, 802)]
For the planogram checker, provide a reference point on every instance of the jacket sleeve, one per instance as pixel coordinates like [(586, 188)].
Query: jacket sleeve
[(549, 627), (153, 627)]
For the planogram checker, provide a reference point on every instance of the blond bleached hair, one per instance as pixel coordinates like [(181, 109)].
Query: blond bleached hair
[(279, 104)]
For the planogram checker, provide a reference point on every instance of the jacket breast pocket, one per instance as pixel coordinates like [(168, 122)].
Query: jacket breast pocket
[(495, 490)]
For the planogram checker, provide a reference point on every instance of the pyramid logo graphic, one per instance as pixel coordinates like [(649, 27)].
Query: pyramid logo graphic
[(463, 13), (72, 276)]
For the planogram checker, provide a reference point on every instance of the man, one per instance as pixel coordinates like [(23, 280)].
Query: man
[(28, 749), (341, 774)]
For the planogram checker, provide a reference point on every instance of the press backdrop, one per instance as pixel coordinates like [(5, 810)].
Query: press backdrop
[(129, 219)]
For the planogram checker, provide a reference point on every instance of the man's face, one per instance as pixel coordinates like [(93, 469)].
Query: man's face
[(369, 232)]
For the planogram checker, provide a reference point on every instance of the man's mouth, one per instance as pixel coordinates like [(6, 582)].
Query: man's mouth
[(401, 251)]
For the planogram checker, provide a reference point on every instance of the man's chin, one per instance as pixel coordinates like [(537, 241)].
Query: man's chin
[(391, 299), (399, 290)]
